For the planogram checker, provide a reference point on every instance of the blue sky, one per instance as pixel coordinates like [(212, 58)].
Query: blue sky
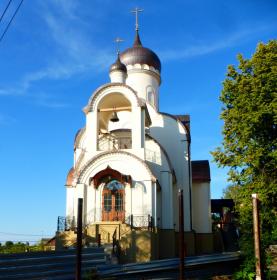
[(57, 52)]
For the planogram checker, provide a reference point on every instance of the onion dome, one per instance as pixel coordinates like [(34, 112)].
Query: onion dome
[(118, 66), (140, 55)]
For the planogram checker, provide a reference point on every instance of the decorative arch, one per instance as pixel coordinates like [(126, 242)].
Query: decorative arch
[(108, 174), (125, 90), (85, 169)]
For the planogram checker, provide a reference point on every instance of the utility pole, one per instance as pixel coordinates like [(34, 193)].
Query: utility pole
[(181, 236), (78, 275), (256, 230)]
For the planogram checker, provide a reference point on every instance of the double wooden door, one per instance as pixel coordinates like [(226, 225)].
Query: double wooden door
[(113, 202)]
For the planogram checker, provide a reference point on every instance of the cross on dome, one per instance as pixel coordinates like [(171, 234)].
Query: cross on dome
[(136, 11), (118, 41)]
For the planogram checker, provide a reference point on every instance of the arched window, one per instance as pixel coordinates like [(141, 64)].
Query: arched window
[(113, 201), (150, 94)]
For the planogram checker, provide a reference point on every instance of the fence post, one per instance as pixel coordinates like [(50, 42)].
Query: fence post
[(79, 240), (99, 240), (256, 229), (132, 221), (181, 236)]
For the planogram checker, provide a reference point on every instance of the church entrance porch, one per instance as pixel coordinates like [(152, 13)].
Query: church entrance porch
[(113, 202)]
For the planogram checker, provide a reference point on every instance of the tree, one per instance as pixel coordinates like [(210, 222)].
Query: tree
[(249, 148)]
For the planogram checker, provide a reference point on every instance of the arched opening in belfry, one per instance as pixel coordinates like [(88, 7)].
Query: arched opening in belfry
[(114, 123)]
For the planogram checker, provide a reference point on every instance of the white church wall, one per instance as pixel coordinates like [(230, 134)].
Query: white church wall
[(156, 158), (118, 77), (79, 192), (90, 201), (91, 132), (201, 208), (141, 198), (128, 199), (172, 136), (141, 81), (70, 193), (137, 128)]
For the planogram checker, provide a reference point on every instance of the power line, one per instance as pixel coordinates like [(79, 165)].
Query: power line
[(6, 29), (23, 241), (5, 10), (24, 234)]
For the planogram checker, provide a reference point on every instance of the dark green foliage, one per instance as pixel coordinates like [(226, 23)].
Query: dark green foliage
[(249, 148), (19, 247)]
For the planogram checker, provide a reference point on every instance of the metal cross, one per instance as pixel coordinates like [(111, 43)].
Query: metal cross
[(118, 41), (136, 11)]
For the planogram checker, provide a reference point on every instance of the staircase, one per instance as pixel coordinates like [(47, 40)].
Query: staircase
[(106, 231), (54, 265)]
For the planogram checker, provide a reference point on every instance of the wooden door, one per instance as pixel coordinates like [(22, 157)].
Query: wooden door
[(113, 202)]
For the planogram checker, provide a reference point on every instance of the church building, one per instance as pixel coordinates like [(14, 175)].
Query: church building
[(130, 161)]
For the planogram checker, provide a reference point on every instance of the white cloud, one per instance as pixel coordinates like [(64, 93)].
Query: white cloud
[(211, 47), (74, 52)]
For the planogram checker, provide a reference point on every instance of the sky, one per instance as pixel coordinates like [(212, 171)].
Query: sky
[(57, 52)]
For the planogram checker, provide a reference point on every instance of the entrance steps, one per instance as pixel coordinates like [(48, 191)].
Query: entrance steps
[(106, 231)]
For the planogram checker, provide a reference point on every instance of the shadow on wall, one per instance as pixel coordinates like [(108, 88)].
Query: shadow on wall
[(170, 127), (65, 239), (138, 246)]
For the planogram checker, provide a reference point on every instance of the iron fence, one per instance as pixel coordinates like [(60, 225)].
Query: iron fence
[(109, 143), (139, 221), (66, 223), (133, 220)]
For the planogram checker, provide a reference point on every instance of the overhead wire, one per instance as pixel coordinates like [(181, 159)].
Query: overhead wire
[(5, 10), (12, 18), (24, 234)]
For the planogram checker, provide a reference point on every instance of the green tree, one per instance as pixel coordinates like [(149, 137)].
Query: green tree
[(249, 98)]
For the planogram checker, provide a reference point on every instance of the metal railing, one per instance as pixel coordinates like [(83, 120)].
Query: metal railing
[(95, 215), (139, 221), (66, 223), (109, 142)]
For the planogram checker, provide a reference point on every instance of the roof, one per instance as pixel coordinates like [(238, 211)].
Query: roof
[(141, 55), (70, 177), (118, 66), (184, 119), (200, 171)]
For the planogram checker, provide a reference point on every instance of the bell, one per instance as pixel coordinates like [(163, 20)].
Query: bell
[(114, 117)]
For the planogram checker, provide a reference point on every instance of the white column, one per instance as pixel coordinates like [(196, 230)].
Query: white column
[(90, 204), (78, 194), (136, 128), (70, 202), (92, 131)]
